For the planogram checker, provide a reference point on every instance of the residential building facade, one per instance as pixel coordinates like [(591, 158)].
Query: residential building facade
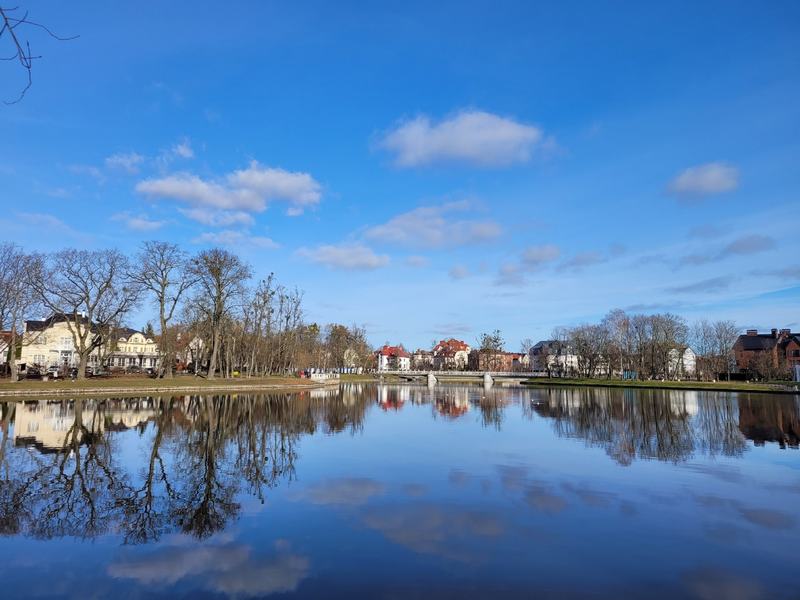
[(682, 363), (553, 356), (49, 343), (393, 358), (770, 353), (5, 346), (422, 360), (451, 355), (498, 361), (133, 349)]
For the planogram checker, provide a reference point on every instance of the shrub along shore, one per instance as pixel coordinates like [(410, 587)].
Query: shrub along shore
[(722, 386)]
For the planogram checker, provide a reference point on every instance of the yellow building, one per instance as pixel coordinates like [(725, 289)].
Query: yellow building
[(133, 349)]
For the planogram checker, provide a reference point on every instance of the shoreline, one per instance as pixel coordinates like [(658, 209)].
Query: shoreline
[(696, 386), (151, 387)]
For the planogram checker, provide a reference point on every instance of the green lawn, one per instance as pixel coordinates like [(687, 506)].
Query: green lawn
[(730, 386)]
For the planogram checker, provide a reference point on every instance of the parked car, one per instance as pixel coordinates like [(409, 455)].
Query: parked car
[(54, 372), (33, 373), (99, 372), (133, 369)]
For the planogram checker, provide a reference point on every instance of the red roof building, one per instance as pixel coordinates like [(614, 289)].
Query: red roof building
[(393, 358)]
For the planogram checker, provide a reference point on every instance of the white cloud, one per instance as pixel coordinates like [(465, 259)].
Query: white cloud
[(229, 569), (128, 162), (458, 272), (229, 237), (470, 136), (43, 220), (353, 257), (138, 222), (705, 180), (417, 261), (89, 170), (434, 227), (536, 256), (249, 189), (749, 244), (511, 275), (346, 491), (583, 259), (218, 218), (183, 149)]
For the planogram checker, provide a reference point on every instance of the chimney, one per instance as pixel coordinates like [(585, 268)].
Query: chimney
[(752, 332), (774, 333)]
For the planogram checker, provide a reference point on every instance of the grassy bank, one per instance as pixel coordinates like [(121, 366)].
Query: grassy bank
[(723, 386), (352, 377), (136, 385)]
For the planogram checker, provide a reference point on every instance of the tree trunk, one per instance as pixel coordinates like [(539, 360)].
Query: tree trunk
[(212, 366), (12, 354), (82, 361), (166, 355)]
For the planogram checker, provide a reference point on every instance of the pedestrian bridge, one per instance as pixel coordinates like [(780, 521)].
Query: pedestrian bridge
[(487, 377)]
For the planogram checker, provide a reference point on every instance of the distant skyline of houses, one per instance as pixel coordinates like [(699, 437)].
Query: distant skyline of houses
[(47, 343), (779, 348)]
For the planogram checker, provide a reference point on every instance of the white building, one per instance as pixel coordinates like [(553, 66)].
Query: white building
[(682, 363), (49, 342), (133, 349), (393, 358), (553, 356)]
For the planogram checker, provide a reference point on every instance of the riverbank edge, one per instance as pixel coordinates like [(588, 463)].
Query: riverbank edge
[(658, 385), (11, 395)]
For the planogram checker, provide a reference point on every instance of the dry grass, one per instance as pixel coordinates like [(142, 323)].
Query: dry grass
[(144, 384)]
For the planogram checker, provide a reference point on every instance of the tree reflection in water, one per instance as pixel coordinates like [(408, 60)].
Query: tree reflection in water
[(202, 452), (61, 473), (667, 425)]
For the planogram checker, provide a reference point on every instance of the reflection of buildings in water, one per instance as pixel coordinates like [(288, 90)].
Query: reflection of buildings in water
[(200, 453), (45, 425), (775, 419), (683, 402), (452, 402), (323, 393), (393, 397), (351, 393)]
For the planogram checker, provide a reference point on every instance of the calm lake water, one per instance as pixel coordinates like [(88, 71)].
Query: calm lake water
[(403, 491)]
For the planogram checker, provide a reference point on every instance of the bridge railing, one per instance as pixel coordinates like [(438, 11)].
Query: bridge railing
[(467, 373)]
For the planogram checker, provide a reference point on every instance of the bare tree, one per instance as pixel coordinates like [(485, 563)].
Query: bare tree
[(705, 348), (17, 297), (161, 269), (12, 25), (725, 335), (90, 289), (490, 345), (220, 276)]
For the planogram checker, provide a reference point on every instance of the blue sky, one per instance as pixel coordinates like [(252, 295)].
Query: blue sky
[(428, 170)]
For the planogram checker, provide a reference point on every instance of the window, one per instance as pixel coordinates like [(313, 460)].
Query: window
[(795, 353)]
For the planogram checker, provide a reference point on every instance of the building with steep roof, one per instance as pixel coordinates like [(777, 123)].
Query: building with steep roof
[(777, 350), (393, 358), (49, 343), (451, 354)]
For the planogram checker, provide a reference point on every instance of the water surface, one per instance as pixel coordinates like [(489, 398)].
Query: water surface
[(403, 491)]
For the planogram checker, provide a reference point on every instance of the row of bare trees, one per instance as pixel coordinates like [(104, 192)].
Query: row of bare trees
[(202, 300), (652, 345)]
